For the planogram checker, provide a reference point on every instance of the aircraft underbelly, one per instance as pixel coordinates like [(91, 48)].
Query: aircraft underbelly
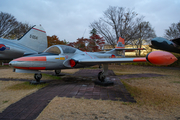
[(10, 54)]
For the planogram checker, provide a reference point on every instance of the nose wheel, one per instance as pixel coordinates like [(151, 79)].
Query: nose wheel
[(37, 77), (57, 72), (101, 76)]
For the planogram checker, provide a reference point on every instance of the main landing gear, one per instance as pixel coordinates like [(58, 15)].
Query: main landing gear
[(102, 77), (57, 72)]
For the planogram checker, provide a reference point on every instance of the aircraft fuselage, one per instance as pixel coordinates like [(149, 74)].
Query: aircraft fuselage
[(164, 44), (9, 49)]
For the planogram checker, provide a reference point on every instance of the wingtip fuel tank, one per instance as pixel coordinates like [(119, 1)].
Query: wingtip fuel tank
[(161, 58)]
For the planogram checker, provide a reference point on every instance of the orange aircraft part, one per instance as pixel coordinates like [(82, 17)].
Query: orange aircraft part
[(139, 60), (161, 58), (120, 40), (31, 59)]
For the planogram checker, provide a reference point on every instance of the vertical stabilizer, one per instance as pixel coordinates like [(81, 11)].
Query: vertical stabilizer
[(120, 43), (120, 48), (35, 39)]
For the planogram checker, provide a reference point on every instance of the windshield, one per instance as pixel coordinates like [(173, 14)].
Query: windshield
[(68, 49), (53, 50)]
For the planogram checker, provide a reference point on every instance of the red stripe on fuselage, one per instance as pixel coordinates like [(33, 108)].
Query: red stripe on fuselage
[(31, 68), (31, 59), (139, 60), (89, 55), (39, 30)]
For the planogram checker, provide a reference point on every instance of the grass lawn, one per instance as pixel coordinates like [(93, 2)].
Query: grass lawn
[(157, 98)]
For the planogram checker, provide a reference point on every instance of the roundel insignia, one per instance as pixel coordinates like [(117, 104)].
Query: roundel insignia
[(2, 47)]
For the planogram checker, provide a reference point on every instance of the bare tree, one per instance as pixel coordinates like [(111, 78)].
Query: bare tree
[(7, 24), (117, 21), (18, 31), (173, 31), (144, 34), (10, 28)]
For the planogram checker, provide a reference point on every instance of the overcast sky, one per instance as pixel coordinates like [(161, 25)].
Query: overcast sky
[(70, 19)]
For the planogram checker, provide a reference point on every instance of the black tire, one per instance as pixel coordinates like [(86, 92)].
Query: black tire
[(37, 77), (57, 72), (101, 77)]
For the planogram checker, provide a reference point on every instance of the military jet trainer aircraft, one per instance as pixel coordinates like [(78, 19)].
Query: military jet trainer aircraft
[(32, 42), (167, 45), (59, 57)]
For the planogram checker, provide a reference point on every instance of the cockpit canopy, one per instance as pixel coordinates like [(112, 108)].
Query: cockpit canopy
[(60, 49)]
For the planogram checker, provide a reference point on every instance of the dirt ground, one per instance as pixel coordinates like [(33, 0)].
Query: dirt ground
[(157, 97), (9, 96), (83, 109)]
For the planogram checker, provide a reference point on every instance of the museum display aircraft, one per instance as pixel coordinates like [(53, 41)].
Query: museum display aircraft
[(167, 45), (32, 42), (59, 57)]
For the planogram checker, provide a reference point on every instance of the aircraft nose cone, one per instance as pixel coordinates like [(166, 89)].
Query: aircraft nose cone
[(12, 63), (153, 41), (156, 41)]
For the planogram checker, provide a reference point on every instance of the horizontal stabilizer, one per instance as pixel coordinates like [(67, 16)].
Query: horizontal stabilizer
[(126, 49), (129, 49)]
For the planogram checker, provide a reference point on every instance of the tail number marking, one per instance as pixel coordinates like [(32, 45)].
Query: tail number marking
[(120, 44), (33, 37)]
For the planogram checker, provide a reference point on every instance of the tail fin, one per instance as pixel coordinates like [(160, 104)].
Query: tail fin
[(120, 48), (120, 43), (35, 39)]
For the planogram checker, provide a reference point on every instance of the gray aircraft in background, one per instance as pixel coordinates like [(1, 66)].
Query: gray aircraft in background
[(167, 45), (32, 42)]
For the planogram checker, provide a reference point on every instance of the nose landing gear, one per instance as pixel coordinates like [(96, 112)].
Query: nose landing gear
[(57, 72), (37, 77)]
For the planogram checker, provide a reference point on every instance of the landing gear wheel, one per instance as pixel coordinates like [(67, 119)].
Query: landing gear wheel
[(57, 72), (37, 77), (101, 76)]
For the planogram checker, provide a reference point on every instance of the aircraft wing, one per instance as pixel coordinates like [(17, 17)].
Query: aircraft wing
[(177, 41), (155, 57), (127, 49), (111, 60)]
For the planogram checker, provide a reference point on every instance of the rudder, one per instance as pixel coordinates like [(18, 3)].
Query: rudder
[(120, 43)]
